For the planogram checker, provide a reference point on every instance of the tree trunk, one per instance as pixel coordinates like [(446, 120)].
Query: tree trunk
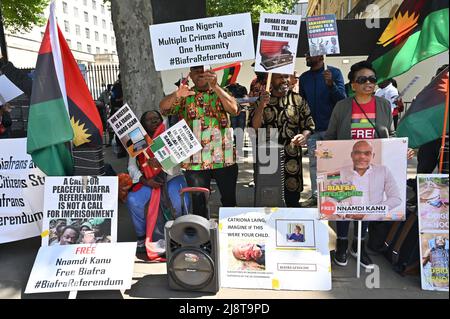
[(141, 83)]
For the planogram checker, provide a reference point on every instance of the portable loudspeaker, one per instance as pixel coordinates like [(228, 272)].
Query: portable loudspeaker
[(192, 254)]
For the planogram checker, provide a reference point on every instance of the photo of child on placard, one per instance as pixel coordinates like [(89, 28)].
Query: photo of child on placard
[(433, 202), (246, 255), (434, 263)]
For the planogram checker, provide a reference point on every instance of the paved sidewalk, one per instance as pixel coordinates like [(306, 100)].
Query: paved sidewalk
[(149, 279)]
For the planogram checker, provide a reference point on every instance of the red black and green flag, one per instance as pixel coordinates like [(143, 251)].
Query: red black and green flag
[(59, 90), (424, 120), (230, 74), (418, 31)]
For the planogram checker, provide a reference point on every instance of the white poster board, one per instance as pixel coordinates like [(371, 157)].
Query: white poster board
[(277, 43), (80, 209), (375, 190), (82, 267), (274, 248), (202, 42), (8, 90), (128, 128), (433, 198), (323, 38), (175, 145), (21, 192)]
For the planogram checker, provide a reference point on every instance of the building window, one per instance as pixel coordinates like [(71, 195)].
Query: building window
[(104, 23), (75, 12), (94, 4), (88, 33), (42, 35), (66, 26), (79, 48), (97, 38), (103, 8), (111, 27), (113, 41), (86, 17), (105, 39), (77, 29), (95, 20), (65, 9), (89, 49), (106, 51), (113, 52), (69, 43), (97, 50)]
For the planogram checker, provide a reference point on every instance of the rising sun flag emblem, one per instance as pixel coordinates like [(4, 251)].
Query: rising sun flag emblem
[(80, 132), (398, 27), (444, 84)]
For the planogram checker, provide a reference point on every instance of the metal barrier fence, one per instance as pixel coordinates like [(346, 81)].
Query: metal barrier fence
[(99, 76)]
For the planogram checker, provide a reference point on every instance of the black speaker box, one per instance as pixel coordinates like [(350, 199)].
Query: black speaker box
[(192, 249)]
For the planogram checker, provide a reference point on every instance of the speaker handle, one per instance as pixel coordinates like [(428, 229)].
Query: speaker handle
[(184, 190)]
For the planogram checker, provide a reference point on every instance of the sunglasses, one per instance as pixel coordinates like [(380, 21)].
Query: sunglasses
[(364, 79)]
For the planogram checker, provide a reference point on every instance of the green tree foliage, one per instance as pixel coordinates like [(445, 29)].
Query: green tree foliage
[(225, 7), (22, 15)]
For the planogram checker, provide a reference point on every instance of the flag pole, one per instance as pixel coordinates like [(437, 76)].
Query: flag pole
[(444, 131)]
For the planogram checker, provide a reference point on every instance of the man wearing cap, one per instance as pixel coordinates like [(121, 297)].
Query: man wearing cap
[(206, 107), (322, 87)]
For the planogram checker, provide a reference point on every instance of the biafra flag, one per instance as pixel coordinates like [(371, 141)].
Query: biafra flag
[(230, 74), (424, 120), (418, 31)]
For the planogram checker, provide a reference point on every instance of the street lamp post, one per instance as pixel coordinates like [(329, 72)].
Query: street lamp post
[(2, 35)]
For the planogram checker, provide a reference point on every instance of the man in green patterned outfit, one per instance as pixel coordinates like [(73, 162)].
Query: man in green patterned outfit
[(205, 107)]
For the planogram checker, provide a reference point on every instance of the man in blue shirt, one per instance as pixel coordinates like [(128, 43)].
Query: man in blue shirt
[(322, 88)]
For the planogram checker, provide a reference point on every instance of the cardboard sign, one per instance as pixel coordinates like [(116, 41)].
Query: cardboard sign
[(80, 210), (273, 248), (175, 145), (433, 197), (82, 267), (362, 179), (202, 42), (323, 36), (277, 43), (130, 131), (21, 192)]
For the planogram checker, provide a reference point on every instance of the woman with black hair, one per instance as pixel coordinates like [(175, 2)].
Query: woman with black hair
[(154, 187), (363, 116)]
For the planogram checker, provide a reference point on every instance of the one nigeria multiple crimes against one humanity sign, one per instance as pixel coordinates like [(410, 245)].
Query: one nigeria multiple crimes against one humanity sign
[(323, 36), (78, 201), (82, 267), (21, 192), (202, 42), (277, 43)]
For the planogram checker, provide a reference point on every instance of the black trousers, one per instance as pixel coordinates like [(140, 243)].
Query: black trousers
[(226, 179)]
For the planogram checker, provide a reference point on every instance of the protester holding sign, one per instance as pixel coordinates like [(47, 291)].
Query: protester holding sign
[(205, 107), (5, 120), (322, 88), (289, 113), (364, 116), (153, 186)]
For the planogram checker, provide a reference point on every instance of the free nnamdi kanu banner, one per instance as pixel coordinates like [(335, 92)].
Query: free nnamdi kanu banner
[(273, 248), (202, 42), (21, 192), (80, 210), (362, 179), (82, 267)]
